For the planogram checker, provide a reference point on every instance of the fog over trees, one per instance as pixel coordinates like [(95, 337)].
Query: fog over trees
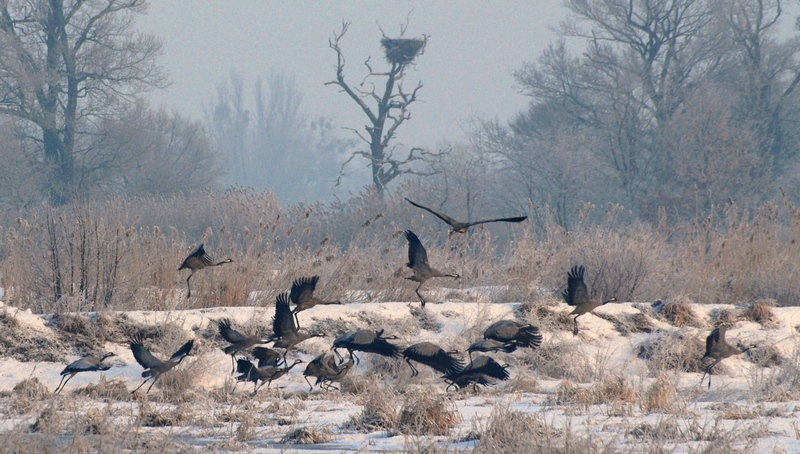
[(670, 109)]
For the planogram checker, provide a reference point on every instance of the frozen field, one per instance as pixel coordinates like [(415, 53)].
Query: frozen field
[(629, 382)]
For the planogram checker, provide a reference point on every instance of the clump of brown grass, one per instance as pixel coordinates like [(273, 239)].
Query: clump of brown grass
[(627, 324), (49, 421), (30, 389), (768, 356), (427, 412), (150, 417), (609, 390), (729, 410), (661, 396), (559, 361), (663, 430), (678, 312), (25, 343), (724, 317), (308, 436), (105, 389), (509, 432), (672, 351), (761, 312), (378, 409)]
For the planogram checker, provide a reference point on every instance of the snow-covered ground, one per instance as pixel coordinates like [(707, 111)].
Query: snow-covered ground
[(734, 410)]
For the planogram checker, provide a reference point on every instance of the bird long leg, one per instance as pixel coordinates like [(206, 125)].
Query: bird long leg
[(143, 382), (296, 319), (151, 385), (63, 383), (310, 386), (575, 328), (421, 298), (338, 355), (188, 286), (708, 372), (414, 371), (233, 364)]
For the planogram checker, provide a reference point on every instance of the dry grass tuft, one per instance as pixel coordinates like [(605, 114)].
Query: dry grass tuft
[(510, 432), (768, 356), (30, 389), (662, 430), (428, 413), (150, 417), (27, 344), (761, 312), (627, 324), (671, 350), (551, 318), (378, 409), (558, 361), (678, 312), (48, 422), (107, 390), (308, 436), (724, 317), (426, 319), (661, 396)]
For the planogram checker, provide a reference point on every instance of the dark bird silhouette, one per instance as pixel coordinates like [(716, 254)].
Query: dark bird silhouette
[(326, 370), (717, 350), (367, 341), (491, 345), (461, 227), (198, 260), (286, 333), (86, 364), (577, 295), (302, 295), (523, 335), (418, 262), (154, 367), (266, 374), (267, 356), (479, 371), (239, 341), (433, 356)]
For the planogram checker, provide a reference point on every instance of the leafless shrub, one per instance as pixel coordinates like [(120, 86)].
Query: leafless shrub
[(761, 312), (672, 350), (308, 436), (427, 412)]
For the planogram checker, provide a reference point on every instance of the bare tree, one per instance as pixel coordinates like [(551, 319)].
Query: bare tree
[(64, 65), (389, 111)]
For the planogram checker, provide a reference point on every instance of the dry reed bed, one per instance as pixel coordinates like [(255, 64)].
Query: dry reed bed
[(122, 254)]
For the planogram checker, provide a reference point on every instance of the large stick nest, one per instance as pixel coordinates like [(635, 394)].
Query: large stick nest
[(402, 50)]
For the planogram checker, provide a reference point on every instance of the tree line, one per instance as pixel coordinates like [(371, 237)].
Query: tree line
[(669, 108)]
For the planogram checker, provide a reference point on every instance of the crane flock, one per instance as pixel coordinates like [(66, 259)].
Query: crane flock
[(270, 364)]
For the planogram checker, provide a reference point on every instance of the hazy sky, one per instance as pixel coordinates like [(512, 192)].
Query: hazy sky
[(474, 47)]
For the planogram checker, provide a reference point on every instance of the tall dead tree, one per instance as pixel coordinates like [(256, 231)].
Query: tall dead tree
[(390, 109)]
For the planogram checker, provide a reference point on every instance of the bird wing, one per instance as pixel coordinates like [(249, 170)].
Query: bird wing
[(503, 331), (283, 322), (143, 355), (713, 340), (244, 367), (514, 219), (452, 222), (576, 292), (266, 356), (183, 351), (228, 333), (416, 252), (493, 369), (303, 288)]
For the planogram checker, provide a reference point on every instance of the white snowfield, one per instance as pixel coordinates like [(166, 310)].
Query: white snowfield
[(735, 408)]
